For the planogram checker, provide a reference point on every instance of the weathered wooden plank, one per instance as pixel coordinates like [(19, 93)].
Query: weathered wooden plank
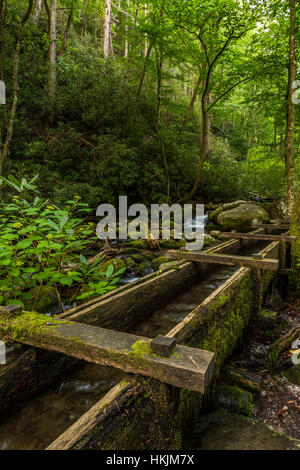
[(229, 260), (186, 368), (256, 236), (272, 226)]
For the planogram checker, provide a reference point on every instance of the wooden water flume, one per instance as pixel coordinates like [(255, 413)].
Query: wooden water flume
[(189, 368), (229, 260)]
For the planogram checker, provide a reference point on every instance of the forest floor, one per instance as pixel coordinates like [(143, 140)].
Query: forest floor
[(278, 404)]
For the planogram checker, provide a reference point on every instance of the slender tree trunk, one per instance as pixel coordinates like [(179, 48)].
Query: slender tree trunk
[(146, 46), (67, 33), (126, 49), (11, 120), (290, 122), (275, 136), (107, 36), (146, 61), (48, 13), (159, 68), (85, 19), (192, 103), (3, 14), (37, 11), (204, 143), (52, 52)]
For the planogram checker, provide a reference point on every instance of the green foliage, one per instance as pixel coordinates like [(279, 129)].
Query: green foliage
[(38, 243)]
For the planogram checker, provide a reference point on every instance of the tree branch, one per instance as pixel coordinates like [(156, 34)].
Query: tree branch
[(226, 93)]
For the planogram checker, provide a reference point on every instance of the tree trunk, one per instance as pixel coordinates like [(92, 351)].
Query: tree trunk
[(159, 66), (67, 33), (146, 60), (11, 120), (290, 122), (37, 11), (52, 53), (107, 19), (295, 248), (3, 13), (204, 143), (48, 13), (191, 106)]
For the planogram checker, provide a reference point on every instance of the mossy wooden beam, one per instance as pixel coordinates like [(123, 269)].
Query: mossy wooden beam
[(187, 367), (230, 260), (254, 236), (272, 226)]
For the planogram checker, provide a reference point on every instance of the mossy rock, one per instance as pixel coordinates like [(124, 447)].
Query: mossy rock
[(144, 268), (208, 240), (150, 256), (293, 374), (171, 244), (158, 261), (130, 250), (138, 258), (213, 216), (140, 244), (117, 263), (221, 430), (242, 217), (47, 300), (233, 399), (242, 378), (130, 263)]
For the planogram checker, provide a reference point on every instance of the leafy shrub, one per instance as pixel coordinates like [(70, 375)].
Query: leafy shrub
[(38, 244)]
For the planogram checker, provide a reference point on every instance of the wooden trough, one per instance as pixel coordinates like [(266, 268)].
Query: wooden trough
[(118, 421), (29, 370)]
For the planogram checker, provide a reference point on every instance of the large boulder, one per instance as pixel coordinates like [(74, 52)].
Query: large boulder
[(242, 217), (213, 216)]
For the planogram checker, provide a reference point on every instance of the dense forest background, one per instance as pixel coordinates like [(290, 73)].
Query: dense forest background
[(161, 100)]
